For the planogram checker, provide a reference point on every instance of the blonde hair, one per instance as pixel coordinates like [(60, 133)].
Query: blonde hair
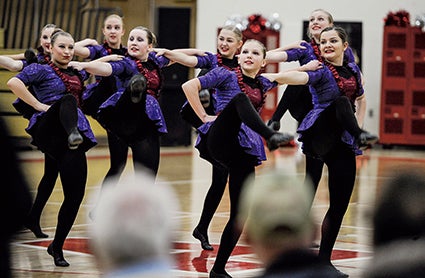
[(235, 30), (113, 16)]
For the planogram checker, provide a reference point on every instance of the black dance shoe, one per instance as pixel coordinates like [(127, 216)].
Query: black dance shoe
[(203, 239), (278, 139), (30, 56), (275, 125), (366, 139), (213, 274), (137, 87), (74, 139), (57, 257), (36, 230), (339, 273)]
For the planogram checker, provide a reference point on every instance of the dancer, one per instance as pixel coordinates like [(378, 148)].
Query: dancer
[(297, 98), (330, 131), (229, 42), (133, 113), (17, 62), (59, 128), (47, 183), (99, 92), (232, 138)]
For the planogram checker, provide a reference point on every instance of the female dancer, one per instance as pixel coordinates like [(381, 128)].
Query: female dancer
[(232, 138), (229, 41), (297, 98), (47, 183), (99, 92), (59, 128), (133, 113), (330, 131), (17, 62)]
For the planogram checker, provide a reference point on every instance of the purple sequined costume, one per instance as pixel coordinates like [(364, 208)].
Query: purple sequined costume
[(128, 120), (226, 85), (324, 89), (48, 88)]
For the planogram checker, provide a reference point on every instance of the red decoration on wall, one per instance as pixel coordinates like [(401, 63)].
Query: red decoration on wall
[(400, 19), (256, 23)]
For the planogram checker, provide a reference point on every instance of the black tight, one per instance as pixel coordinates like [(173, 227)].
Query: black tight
[(296, 99), (51, 136), (44, 190), (146, 154), (51, 131), (327, 130), (341, 163), (223, 146), (73, 174), (213, 197)]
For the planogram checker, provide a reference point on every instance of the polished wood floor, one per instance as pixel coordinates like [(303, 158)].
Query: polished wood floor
[(190, 177)]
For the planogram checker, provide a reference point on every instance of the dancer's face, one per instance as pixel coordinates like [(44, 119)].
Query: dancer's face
[(332, 47), (318, 21), (228, 44), (113, 31), (62, 50), (138, 44), (45, 39), (252, 58)]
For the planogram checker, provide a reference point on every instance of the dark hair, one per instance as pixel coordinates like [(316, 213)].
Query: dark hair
[(150, 35), (340, 31)]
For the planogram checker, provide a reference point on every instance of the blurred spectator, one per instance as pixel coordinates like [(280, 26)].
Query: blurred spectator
[(280, 228), (133, 226), (15, 198), (399, 227)]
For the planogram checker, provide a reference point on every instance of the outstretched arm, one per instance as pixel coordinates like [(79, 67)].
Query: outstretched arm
[(292, 77), (279, 54), (178, 56), (21, 91), (10, 63), (94, 67), (81, 49)]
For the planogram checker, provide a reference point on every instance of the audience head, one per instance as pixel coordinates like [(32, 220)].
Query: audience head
[(400, 210), (399, 227), (276, 207), (134, 223)]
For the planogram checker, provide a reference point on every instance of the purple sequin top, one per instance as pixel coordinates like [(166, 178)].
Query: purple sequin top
[(48, 87), (124, 70), (323, 88), (226, 84)]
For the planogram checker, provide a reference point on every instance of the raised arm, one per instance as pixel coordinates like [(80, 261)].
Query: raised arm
[(191, 89), (20, 90)]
